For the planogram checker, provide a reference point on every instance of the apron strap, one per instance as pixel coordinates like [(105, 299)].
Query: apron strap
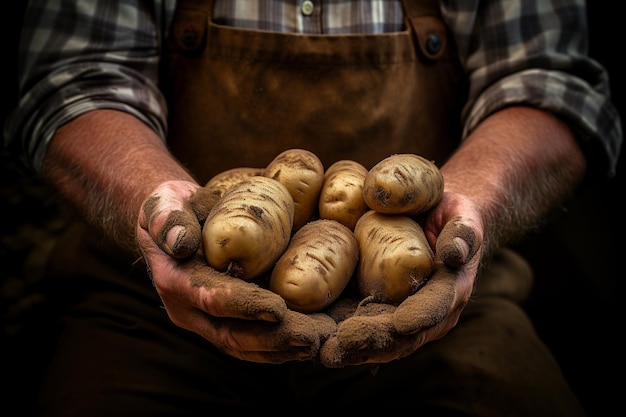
[(424, 18), (191, 35)]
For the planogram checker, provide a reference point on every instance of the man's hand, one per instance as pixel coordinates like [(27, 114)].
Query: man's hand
[(239, 317), (379, 333)]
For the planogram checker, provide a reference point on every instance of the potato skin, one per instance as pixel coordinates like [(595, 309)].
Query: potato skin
[(395, 257), (316, 267), (341, 197), (403, 184), (248, 228), (225, 180), (302, 172)]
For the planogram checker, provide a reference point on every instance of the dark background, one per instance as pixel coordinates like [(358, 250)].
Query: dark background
[(577, 303)]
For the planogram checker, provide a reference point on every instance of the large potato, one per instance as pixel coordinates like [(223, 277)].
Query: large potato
[(341, 197), (395, 257), (225, 180), (249, 227), (302, 172), (403, 184), (316, 267)]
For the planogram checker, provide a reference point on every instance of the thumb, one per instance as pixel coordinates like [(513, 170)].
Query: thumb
[(457, 243), (430, 305), (171, 219)]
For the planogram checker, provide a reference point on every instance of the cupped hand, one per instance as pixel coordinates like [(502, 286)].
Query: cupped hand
[(241, 318), (379, 333)]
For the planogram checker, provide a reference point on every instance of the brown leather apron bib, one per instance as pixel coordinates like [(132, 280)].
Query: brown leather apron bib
[(239, 97)]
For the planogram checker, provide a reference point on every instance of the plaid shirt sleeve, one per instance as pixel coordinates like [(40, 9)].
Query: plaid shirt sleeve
[(535, 53), (76, 56)]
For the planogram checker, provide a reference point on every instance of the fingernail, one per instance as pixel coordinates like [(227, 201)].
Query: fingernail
[(268, 316), (463, 248), (174, 237)]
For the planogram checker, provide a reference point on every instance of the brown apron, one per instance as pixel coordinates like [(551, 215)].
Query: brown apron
[(240, 97)]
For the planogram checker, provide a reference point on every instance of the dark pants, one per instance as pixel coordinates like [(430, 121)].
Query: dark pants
[(119, 355)]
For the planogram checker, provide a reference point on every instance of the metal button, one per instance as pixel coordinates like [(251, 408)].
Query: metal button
[(190, 37), (433, 44), (307, 7)]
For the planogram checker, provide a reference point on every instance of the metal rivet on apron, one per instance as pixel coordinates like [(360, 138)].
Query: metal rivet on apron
[(433, 44), (307, 7), (189, 36)]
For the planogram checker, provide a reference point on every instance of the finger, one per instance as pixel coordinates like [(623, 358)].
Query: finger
[(222, 295), (202, 202), (297, 337), (369, 326), (457, 243), (367, 339), (180, 234), (366, 332), (171, 220), (359, 340), (430, 305), (334, 355)]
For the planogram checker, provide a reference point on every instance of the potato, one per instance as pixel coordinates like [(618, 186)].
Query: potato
[(225, 180), (248, 228), (395, 257), (302, 172), (341, 197), (403, 184), (316, 267)]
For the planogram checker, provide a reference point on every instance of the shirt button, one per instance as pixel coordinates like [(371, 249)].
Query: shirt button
[(307, 7)]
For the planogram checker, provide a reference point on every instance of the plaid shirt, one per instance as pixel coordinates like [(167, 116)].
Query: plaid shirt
[(79, 55)]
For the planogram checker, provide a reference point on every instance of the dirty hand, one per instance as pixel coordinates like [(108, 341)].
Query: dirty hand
[(375, 332), (240, 318)]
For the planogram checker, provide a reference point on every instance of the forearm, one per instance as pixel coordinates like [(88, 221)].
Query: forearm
[(517, 165), (106, 163)]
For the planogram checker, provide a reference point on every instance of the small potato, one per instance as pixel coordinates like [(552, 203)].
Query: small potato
[(302, 172), (403, 184), (248, 228), (341, 197), (225, 180), (316, 267), (395, 257)]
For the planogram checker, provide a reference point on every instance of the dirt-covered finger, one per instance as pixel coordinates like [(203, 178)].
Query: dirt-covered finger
[(297, 337), (457, 243), (430, 305), (225, 296)]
